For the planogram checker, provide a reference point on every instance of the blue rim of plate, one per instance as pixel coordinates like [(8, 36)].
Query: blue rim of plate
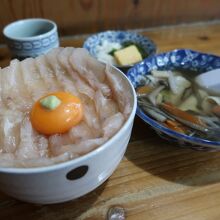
[(119, 36), (179, 58)]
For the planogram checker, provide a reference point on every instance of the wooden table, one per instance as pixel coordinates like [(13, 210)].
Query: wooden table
[(156, 180)]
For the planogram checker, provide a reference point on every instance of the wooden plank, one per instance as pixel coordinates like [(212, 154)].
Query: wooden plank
[(86, 16), (136, 14)]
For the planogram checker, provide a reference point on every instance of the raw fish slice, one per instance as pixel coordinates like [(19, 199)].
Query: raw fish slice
[(81, 86), (90, 70), (22, 98), (9, 132), (42, 162), (32, 144), (119, 90), (84, 62), (58, 140), (82, 147), (8, 93), (2, 131), (63, 57), (47, 75), (9, 141), (68, 86), (42, 144), (113, 124), (2, 104), (105, 107), (8, 77), (7, 160), (81, 132), (60, 72), (32, 79), (91, 118), (26, 149)]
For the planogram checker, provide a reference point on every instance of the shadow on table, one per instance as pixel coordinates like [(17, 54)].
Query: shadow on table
[(67, 210), (169, 161)]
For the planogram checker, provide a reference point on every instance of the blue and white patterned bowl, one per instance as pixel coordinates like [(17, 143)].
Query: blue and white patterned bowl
[(31, 37), (120, 37), (176, 59)]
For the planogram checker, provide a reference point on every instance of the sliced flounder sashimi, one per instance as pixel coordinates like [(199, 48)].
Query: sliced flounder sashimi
[(106, 106)]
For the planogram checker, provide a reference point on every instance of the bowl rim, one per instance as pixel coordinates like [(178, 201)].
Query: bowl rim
[(129, 32), (81, 159), (156, 125), (173, 133)]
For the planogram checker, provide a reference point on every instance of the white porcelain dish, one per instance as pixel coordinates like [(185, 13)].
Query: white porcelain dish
[(71, 179)]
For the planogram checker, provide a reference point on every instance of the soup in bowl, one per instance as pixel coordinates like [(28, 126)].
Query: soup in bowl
[(65, 121), (175, 102)]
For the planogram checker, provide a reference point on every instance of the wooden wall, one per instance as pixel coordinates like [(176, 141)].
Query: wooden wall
[(87, 16)]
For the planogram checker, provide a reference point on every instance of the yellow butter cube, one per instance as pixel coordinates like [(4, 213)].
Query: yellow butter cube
[(128, 55)]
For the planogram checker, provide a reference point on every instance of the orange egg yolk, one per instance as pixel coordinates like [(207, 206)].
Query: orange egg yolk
[(59, 120)]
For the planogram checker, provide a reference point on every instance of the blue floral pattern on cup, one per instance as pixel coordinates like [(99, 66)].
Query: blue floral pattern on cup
[(177, 59)]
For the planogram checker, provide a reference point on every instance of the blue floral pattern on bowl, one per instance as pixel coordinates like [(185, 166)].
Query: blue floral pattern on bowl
[(177, 59), (119, 37)]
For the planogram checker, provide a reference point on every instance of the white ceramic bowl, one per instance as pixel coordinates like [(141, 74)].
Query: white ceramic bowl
[(71, 179)]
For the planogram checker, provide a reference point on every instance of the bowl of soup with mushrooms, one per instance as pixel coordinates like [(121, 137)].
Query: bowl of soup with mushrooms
[(65, 125), (174, 99)]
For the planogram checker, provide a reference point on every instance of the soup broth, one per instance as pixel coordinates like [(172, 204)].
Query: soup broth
[(174, 100)]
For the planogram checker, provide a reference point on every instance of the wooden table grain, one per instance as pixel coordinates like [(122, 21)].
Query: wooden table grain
[(156, 180)]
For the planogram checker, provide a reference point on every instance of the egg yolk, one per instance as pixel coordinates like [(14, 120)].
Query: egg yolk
[(65, 115)]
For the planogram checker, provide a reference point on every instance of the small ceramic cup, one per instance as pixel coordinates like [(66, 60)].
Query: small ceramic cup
[(31, 37)]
